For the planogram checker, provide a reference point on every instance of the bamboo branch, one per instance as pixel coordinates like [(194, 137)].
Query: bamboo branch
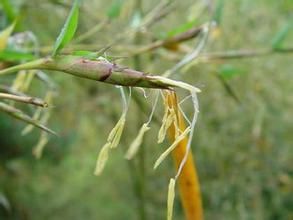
[(239, 54), (18, 114), (24, 99), (169, 43), (101, 70)]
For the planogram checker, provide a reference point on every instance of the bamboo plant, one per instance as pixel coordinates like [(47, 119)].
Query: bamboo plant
[(95, 66)]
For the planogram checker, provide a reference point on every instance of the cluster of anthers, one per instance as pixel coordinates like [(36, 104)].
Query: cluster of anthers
[(170, 118)]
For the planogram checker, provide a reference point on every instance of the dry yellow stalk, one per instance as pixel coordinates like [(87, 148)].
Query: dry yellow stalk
[(188, 180)]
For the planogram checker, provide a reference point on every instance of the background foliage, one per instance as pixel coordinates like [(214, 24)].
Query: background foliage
[(243, 149)]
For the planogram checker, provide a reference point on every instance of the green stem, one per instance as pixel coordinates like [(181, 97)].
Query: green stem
[(141, 153), (26, 66), (101, 70), (98, 70)]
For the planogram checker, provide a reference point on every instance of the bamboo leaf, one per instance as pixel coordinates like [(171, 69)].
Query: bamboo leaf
[(4, 35), (115, 9), (8, 9), (182, 28), (280, 36), (13, 55), (68, 29), (229, 71)]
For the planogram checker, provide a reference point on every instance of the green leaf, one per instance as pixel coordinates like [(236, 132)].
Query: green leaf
[(85, 54), (182, 28), (8, 9), (90, 54), (13, 55), (115, 9), (218, 11), (280, 36), (4, 35), (229, 71), (68, 29)]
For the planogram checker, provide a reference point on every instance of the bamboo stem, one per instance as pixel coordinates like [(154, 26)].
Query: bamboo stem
[(141, 155), (101, 70)]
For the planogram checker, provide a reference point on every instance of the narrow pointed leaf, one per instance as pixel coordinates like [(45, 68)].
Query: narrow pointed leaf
[(68, 29), (182, 28), (4, 35), (8, 9), (14, 55), (219, 11), (115, 9), (280, 36)]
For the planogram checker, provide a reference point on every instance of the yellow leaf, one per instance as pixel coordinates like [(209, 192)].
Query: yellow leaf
[(4, 35)]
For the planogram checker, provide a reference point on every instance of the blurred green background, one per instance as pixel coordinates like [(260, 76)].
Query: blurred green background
[(243, 149)]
